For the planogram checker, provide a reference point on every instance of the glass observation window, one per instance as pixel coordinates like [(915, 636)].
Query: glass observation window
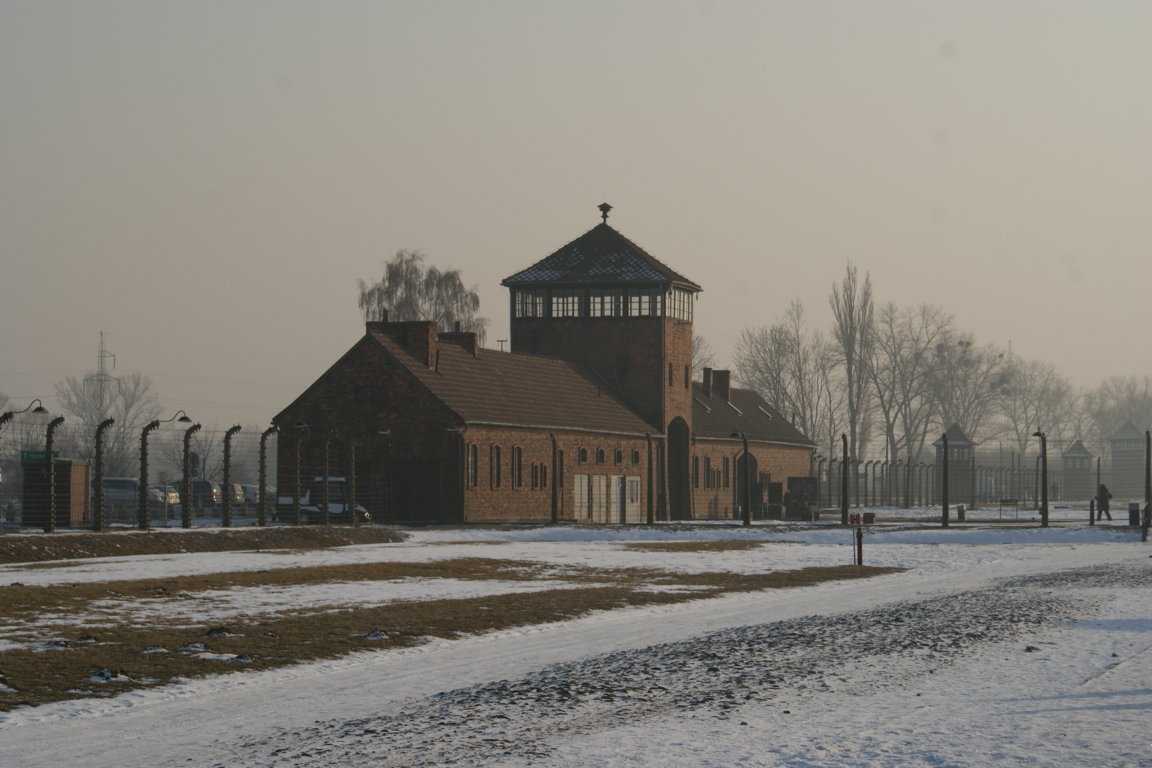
[(529, 302), (606, 302), (567, 303)]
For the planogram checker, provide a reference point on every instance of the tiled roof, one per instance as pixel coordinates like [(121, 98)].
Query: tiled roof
[(600, 256), (520, 390), (746, 412)]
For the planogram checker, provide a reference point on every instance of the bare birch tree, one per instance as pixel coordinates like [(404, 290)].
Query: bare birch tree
[(410, 291)]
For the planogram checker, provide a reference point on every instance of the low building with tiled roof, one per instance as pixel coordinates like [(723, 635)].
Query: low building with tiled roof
[(591, 417)]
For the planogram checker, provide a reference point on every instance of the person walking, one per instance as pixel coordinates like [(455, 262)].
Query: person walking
[(1103, 496)]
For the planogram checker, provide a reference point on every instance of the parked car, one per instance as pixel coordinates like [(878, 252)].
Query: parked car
[(121, 493), (205, 493), (312, 505), (237, 495), (164, 495)]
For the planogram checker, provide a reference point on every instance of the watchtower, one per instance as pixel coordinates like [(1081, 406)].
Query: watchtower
[(604, 302)]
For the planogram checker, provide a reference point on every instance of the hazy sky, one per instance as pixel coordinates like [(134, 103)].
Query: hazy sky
[(205, 180)]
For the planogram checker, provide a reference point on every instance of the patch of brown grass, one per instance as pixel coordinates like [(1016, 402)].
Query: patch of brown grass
[(52, 672), (37, 547)]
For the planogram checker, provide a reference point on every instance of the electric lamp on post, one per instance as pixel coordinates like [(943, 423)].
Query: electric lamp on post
[(142, 506), (35, 406), (186, 497), (1043, 477), (262, 496)]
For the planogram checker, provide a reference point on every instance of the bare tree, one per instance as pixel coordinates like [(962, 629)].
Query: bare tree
[(790, 366), (966, 384), (702, 354), (1034, 395), (901, 373), (1115, 402), (127, 399), (208, 446), (851, 303), (410, 291)]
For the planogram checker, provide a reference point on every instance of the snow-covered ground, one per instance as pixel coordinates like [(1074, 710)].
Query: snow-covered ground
[(1001, 645)]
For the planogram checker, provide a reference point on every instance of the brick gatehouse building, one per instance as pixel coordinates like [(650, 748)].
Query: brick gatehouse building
[(593, 416)]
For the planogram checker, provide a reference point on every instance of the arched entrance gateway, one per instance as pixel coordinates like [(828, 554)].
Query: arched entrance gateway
[(679, 486)]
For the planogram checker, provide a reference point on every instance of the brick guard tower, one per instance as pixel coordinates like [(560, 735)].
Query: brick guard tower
[(603, 302)]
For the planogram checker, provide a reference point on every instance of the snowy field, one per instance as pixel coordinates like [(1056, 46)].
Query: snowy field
[(1000, 645)]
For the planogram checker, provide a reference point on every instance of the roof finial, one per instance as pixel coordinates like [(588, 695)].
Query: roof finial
[(604, 208)]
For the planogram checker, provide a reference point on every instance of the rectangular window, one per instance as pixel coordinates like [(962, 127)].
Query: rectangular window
[(680, 305), (535, 476), (606, 302), (560, 468), (495, 466), (473, 465), (543, 476), (726, 471), (567, 303), (529, 302), (645, 302), (517, 468), (707, 472)]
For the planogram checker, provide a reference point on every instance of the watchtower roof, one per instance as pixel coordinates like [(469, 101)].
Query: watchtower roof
[(1126, 432), (601, 256), (956, 437)]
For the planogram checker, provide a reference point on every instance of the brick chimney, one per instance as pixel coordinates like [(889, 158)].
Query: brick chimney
[(420, 340), (722, 382), (416, 336), (467, 339), (707, 384)]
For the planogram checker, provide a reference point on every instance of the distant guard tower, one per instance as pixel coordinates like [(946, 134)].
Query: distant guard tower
[(961, 467), (1127, 465), (1079, 473)]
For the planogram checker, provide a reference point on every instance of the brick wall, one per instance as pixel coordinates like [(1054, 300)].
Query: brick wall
[(717, 498), (531, 502), (628, 352)]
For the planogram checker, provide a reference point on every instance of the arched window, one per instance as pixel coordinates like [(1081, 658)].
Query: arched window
[(473, 465), (494, 458), (599, 455), (517, 467), (582, 456)]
